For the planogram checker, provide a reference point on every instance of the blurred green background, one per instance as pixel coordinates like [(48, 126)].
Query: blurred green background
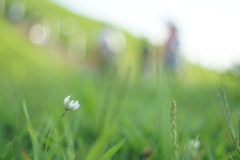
[(48, 53)]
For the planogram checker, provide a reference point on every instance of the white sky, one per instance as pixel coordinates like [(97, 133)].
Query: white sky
[(209, 29)]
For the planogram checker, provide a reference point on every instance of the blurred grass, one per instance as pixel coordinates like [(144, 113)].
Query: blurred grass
[(118, 118)]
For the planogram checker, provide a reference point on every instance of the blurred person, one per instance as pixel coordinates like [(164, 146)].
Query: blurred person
[(110, 42), (16, 11), (172, 49), (104, 55), (144, 57)]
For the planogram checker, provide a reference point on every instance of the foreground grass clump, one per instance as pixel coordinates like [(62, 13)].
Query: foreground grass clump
[(119, 118)]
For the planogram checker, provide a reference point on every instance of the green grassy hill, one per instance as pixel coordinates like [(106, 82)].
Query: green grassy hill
[(120, 117)]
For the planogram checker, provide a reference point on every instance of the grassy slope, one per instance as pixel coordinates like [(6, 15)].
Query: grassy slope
[(29, 73), (89, 29)]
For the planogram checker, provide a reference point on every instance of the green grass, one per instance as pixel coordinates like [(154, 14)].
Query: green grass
[(122, 115)]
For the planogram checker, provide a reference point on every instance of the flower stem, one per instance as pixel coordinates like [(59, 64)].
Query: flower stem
[(49, 135)]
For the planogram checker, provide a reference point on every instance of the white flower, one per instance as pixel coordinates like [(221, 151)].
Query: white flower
[(73, 105), (194, 144), (70, 105), (66, 100)]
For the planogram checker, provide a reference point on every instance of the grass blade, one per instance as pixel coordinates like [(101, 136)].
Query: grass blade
[(98, 148), (112, 150), (230, 157), (234, 135), (35, 144), (237, 132), (225, 109)]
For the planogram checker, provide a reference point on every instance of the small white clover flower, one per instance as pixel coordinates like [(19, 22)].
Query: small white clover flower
[(71, 105), (66, 100), (194, 144)]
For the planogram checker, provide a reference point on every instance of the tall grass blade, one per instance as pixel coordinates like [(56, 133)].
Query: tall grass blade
[(112, 151), (173, 121), (122, 94), (237, 132), (230, 157), (97, 149), (105, 108), (226, 112), (35, 144)]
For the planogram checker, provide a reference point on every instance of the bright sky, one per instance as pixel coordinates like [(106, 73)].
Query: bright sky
[(209, 29)]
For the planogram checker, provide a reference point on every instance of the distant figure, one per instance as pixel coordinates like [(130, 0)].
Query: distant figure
[(144, 57), (172, 49), (110, 42), (16, 11), (104, 53)]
